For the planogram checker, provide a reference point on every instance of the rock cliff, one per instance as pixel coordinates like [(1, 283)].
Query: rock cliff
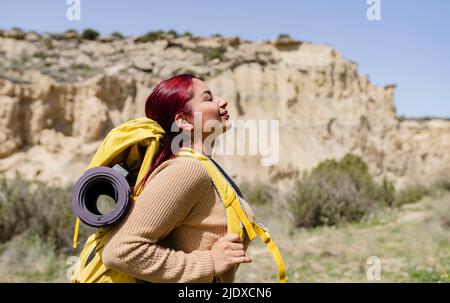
[(60, 95)]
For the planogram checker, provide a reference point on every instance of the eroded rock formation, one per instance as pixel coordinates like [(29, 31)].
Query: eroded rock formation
[(58, 98)]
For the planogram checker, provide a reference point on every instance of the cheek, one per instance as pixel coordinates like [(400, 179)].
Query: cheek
[(210, 118), (209, 112)]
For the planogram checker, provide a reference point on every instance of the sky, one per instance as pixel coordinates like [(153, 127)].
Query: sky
[(409, 46)]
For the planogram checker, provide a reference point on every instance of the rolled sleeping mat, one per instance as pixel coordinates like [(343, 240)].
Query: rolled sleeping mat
[(98, 181)]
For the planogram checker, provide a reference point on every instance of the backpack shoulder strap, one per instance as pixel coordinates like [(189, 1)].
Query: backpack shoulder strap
[(236, 216)]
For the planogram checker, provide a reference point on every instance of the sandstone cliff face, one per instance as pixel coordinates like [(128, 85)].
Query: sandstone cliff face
[(57, 103)]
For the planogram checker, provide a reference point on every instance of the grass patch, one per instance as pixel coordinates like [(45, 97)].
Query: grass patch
[(35, 206), (411, 242), (28, 258)]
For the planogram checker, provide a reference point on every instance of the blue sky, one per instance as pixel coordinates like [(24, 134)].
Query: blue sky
[(409, 46)]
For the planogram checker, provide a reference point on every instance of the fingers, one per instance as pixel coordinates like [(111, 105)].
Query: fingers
[(243, 259), (238, 253), (227, 252), (232, 238), (236, 246), (237, 256), (230, 246), (232, 241)]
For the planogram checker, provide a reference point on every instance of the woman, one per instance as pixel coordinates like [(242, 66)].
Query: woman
[(176, 229)]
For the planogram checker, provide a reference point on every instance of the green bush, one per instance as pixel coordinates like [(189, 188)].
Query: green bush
[(17, 29), (82, 68), (285, 43), (117, 35), (18, 33), (70, 34), (284, 36), (90, 34), (213, 53), (210, 53), (57, 36), (36, 207), (173, 33), (256, 193), (150, 36), (234, 42), (387, 193), (40, 55), (443, 184), (410, 194), (338, 191), (71, 31), (414, 193)]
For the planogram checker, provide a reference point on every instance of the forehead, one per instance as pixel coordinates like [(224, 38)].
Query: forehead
[(199, 86)]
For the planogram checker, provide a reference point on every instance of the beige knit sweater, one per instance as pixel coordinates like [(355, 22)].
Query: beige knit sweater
[(168, 233)]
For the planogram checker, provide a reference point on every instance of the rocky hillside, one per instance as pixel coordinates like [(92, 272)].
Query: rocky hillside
[(60, 94)]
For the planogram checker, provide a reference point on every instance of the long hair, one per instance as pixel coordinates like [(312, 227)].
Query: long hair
[(169, 98)]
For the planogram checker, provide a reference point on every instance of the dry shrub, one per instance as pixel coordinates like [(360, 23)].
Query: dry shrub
[(336, 192), (34, 206)]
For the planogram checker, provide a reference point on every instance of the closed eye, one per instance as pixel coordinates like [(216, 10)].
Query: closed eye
[(208, 94)]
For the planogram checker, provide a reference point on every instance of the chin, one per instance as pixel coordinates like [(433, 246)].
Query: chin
[(227, 125)]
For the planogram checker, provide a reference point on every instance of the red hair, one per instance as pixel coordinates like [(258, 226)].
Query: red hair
[(169, 98)]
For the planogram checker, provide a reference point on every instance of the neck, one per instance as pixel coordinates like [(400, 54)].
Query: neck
[(201, 148)]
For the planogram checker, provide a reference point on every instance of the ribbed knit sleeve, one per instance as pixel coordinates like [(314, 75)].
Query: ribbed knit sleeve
[(164, 203)]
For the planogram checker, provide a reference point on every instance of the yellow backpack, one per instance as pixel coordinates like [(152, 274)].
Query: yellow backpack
[(135, 143)]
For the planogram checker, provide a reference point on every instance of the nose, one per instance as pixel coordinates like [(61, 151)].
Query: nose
[(223, 103)]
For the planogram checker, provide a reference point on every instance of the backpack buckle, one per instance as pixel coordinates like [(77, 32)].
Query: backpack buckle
[(266, 231)]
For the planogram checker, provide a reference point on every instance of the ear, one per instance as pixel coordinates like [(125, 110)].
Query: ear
[(183, 122)]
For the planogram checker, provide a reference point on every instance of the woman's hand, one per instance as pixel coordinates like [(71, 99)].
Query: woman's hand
[(227, 252)]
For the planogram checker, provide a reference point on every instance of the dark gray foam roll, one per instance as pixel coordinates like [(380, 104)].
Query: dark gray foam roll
[(93, 183)]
